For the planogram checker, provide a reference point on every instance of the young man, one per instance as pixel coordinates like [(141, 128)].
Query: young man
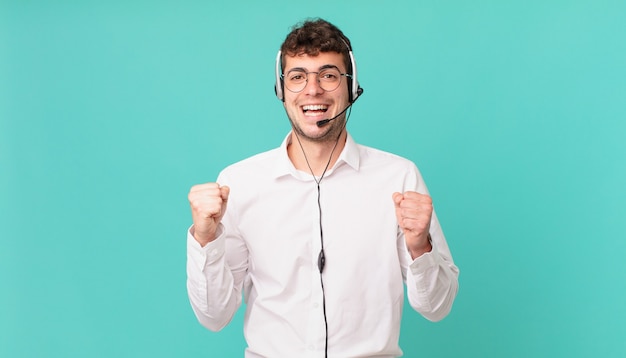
[(321, 234)]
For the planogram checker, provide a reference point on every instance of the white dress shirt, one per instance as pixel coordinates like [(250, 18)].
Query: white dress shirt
[(267, 249)]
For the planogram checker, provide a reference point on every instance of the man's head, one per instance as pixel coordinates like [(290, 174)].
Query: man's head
[(314, 79), (311, 38)]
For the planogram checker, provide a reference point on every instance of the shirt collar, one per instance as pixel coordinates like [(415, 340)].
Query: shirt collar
[(349, 155)]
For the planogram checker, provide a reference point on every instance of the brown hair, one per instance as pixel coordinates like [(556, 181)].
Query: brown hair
[(314, 36)]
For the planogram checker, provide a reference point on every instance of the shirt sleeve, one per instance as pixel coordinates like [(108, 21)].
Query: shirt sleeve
[(214, 283), (431, 279)]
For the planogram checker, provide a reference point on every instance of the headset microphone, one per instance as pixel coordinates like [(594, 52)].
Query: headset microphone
[(323, 122)]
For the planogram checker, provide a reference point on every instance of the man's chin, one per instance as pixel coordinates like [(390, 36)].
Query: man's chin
[(327, 133)]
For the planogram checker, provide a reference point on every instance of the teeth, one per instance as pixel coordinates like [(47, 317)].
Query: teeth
[(315, 107)]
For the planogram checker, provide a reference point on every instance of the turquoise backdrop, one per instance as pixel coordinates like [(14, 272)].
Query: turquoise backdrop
[(515, 111)]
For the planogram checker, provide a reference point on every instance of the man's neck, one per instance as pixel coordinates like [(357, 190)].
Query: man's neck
[(311, 156)]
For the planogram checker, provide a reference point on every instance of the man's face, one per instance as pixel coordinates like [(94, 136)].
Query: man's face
[(314, 103)]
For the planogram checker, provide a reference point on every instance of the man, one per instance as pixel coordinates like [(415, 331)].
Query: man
[(321, 234)]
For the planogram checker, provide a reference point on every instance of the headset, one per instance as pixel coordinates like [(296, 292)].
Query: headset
[(354, 90)]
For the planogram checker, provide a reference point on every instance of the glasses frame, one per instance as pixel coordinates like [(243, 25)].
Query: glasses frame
[(317, 77)]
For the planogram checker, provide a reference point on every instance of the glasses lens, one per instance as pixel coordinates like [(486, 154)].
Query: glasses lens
[(295, 80), (328, 79)]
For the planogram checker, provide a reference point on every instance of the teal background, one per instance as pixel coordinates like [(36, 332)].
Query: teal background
[(109, 111)]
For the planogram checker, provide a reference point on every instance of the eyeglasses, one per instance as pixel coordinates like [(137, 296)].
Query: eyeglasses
[(327, 78)]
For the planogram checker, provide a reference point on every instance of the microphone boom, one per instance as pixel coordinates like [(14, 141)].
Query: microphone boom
[(323, 122)]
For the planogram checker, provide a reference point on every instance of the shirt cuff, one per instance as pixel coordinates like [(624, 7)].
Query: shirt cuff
[(426, 261), (210, 253)]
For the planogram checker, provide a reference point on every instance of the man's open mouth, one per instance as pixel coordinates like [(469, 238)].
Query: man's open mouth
[(314, 109)]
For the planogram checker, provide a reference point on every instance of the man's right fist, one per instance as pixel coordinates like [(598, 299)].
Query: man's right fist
[(208, 205)]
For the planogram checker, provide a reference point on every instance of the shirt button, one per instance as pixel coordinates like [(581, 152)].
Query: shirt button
[(213, 252), (316, 305), (311, 347)]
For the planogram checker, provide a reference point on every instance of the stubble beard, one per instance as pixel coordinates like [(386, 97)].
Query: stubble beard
[(333, 130)]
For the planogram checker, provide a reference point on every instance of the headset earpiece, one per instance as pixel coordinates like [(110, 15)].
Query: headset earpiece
[(355, 90), (279, 85)]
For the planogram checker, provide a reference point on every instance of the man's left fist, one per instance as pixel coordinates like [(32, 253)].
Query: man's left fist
[(413, 212)]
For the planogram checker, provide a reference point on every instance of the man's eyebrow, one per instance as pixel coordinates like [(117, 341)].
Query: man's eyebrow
[(324, 67), (328, 66), (297, 69)]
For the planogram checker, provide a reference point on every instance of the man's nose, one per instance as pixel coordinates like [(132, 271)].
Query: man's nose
[(313, 84)]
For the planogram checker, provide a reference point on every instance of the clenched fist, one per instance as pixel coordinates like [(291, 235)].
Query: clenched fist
[(208, 205), (414, 211)]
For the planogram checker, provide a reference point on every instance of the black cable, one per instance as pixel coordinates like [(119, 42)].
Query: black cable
[(321, 261), (321, 258)]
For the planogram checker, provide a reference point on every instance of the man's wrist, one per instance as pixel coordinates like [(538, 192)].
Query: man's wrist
[(201, 239), (419, 251)]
